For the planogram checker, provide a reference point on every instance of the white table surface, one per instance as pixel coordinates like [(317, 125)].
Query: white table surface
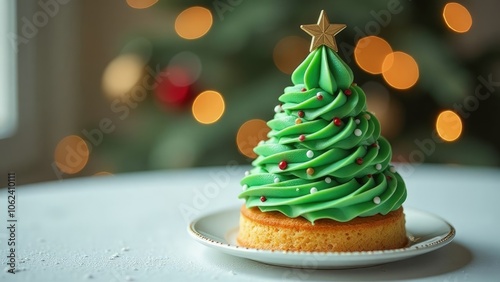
[(130, 228)]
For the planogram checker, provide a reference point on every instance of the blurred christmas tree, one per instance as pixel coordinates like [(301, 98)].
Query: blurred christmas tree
[(201, 86)]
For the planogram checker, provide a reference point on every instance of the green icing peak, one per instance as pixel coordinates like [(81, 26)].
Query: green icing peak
[(324, 69), (325, 157)]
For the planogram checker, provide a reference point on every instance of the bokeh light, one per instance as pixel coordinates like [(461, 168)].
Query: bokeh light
[(103, 173), (249, 135), (400, 70), (121, 75), (289, 53), (71, 154), (389, 112), (141, 4), (370, 53), (457, 17), (190, 63), (208, 107), (193, 22), (173, 88), (449, 126)]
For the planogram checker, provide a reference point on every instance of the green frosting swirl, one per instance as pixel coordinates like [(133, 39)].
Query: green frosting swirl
[(337, 164)]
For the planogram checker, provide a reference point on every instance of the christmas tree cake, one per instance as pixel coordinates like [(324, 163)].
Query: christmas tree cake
[(323, 180)]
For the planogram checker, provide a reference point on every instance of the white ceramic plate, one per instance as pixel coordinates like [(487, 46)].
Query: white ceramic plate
[(426, 232)]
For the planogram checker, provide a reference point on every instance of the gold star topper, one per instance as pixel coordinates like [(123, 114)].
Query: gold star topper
[(323, 33)]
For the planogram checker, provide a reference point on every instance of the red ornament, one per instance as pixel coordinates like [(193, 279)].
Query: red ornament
[(347, 92), (388, 177), (374, 145), (369, 175), (301, 114), (302, 137), (304, 90), (263, 199), (359, 161), (319, 96), (283, 165), (337, 121)]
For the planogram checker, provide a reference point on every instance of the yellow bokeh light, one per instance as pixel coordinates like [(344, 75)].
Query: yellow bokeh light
[(71, 154), (370, 53), (208, 107), (457, 17), (249, 135), (141, 4), (121, 75), (193, 22), (400, 70), (449, 126), (287, 59)]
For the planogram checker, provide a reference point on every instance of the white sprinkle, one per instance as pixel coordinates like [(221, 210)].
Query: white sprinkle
[(297, 189), (310, 154), (357, 121), (125, 249), (376, 200), (247, 173), (367, 116), (358, 132), (328, 180), (245, 187), (276, 180), (313, 190), (378, 166), (278, 109), (392, 169)]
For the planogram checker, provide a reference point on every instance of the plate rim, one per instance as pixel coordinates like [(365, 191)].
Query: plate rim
[(414, 249)]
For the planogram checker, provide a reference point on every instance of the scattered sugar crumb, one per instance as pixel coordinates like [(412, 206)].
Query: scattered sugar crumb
[(125, 249), (232, 272), (88, 276), (115, 255)]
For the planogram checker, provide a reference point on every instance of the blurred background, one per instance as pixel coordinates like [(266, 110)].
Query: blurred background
[(106, 87)]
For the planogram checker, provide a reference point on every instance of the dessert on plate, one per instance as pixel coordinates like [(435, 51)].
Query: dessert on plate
[(323, 181)]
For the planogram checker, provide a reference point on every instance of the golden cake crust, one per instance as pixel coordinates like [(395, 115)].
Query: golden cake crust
[(275, 231)]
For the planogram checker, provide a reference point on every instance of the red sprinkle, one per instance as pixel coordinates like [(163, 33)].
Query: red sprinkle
[(359, 161), (319, 97), (301, 114), (337, 121), (302, 137), (369, 175), (388, 177), (347, 92), (263, 199), (283, 165), (304, 90)]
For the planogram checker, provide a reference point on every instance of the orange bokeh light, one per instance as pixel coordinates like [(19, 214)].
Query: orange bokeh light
[(287, 58), (370, 53), (141, 4), (250, 134), (449, 126), (400, 70), (457, 17), (208, 107), (193, 22), (71, 154)]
